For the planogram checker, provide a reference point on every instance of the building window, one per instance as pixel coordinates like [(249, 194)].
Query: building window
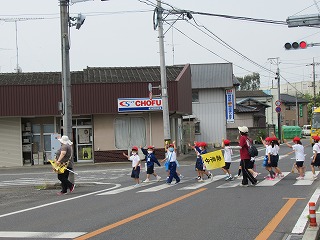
[(130, 132), (197, 128), (195, 96)]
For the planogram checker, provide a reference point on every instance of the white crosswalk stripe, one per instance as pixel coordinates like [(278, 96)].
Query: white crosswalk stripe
[(201, 184), (64, 235), (269, 183), (308, 179)]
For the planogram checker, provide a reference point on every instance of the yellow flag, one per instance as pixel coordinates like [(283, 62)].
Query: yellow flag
[(57, 168), (213, 160)]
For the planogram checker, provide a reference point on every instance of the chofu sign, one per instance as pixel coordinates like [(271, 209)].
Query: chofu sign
[(213, 160), (139, 104)]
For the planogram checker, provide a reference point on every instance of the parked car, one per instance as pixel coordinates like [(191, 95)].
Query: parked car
[(306, 130)]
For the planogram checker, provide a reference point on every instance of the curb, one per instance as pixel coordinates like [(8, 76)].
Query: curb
[(312, 233)]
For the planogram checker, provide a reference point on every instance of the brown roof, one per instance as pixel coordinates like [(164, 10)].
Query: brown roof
[(93, 75)]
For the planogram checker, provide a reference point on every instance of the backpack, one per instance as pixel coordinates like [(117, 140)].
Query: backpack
[(253, 151)]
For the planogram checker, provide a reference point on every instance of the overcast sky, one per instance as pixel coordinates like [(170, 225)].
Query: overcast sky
[(119, 33)]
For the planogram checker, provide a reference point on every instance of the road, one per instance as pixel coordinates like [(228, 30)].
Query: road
[(105, 205)]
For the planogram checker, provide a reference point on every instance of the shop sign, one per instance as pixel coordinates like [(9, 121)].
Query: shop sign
[(139, 104)]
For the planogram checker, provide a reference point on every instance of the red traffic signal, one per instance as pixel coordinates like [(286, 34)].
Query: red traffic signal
[(296, 45)]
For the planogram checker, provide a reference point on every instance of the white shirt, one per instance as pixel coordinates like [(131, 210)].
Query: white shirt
[(227, 153), (299, 152), (316, 148), (135, 159), (268, 149), (171, 156)]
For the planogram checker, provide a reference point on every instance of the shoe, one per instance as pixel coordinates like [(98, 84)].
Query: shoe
[(227, 178), (254, 184), (177, 182), (300, 178), (314, 177), (147, 180), (280, 175), (158, 178), (169, 183), (240, 178), (231, 179), (61, 193), (72, 188), (270, 178), (200, 180), (255, 174), (210, 175), (243, 185), (181, 176), (137, 185)]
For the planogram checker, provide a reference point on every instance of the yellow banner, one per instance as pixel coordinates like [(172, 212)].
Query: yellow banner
[(213, 160), (57, 168)]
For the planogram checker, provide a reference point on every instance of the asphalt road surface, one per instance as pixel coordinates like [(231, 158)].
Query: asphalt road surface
[(105, 205)]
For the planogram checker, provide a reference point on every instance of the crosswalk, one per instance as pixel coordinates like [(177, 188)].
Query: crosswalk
[(192, 184)]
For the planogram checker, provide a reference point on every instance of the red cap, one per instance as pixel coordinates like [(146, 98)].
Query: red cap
[(171, 145), (135, 148), (317, 138), (226, 141), (296, 139), (202, 144), (274, 139), (268, 139), (150, 147)]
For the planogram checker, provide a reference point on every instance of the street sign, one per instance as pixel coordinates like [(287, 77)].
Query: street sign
[(278, 103), (278, 109)]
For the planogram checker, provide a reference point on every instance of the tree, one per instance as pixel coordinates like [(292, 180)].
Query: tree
[(249, 82), (310, 98)]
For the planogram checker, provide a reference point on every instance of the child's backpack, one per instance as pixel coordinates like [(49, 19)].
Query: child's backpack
[(253, 151)]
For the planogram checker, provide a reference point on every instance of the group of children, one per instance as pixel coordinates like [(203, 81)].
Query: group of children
[(171, 164), (270, 161)]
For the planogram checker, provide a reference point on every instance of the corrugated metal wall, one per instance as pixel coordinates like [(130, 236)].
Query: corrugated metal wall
[(211, 112), (10, 142)]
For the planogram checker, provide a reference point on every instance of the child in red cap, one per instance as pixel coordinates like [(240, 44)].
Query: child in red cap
[(150, 159), (135, 164), (299, 154)]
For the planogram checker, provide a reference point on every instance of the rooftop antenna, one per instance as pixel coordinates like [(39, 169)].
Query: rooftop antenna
[(15, 20)]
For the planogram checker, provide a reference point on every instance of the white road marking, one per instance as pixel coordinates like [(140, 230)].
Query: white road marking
[(6, 234), (201, 184), (64, 200), (302, 221), (269, 183)]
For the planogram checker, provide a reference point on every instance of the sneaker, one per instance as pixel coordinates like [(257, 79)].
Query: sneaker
[(169, 183), (300, 178), (181, 176), (231, 179), (61, 193), (200, 180), (314, 177), (270, 178), (255, 174), (210, 175), (177, 182), (240, 178), (280, 175), (146, 181), (158, 178), (72, 188), (254, 184), (137, 185), (243, 185)]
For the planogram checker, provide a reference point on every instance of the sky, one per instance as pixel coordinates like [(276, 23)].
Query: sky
[(119, 33)]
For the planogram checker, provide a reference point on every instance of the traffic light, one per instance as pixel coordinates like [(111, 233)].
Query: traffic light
[(296, 45)]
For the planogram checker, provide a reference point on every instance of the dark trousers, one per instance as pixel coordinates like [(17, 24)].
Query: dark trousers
[(65, 183), (173, 172), (246, 174)]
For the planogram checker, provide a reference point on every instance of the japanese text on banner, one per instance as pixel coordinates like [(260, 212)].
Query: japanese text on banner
[(213, 160)]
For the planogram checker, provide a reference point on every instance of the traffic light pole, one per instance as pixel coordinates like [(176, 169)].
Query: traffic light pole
[(164, 91), (65, 74)]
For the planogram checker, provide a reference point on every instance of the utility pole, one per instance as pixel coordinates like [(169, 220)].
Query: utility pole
[(313, 64), (164, 90), (65, 74), (279, 98)]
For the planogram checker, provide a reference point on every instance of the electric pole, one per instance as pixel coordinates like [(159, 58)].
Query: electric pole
[(164, 90), (279, 98), (313, 64), (65, 74)]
